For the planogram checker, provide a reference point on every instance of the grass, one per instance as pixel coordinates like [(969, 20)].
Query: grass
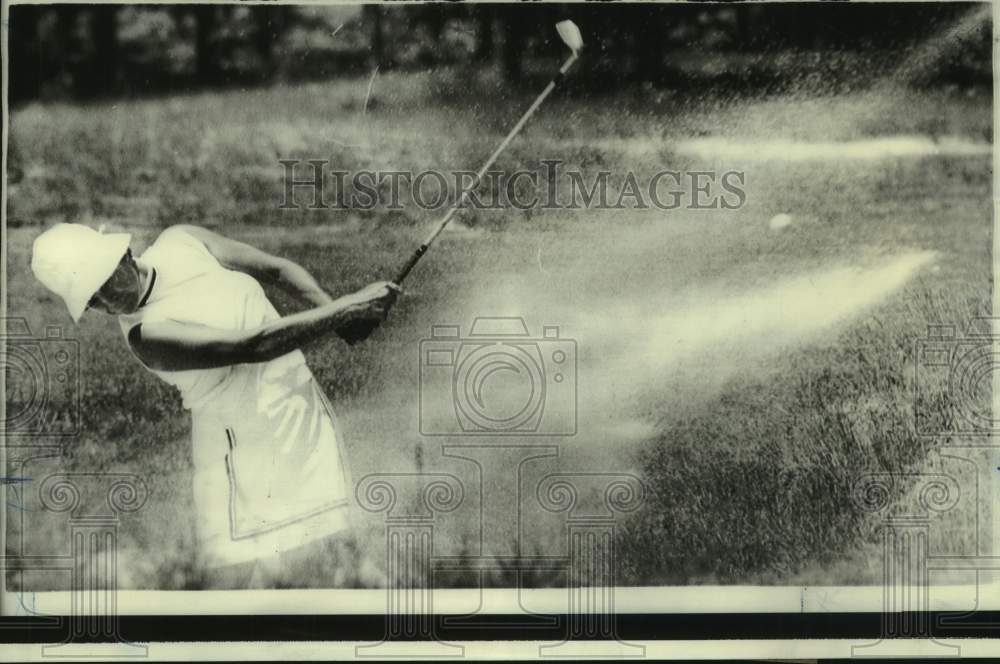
[(773, 494), (750, 457)]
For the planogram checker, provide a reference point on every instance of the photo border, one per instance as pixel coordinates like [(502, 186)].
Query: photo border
[(644, 613)]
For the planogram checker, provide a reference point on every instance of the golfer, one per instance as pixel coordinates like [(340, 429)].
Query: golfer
[(268, 473)]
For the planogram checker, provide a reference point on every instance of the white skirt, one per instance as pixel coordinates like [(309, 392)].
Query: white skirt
[(264, 485)]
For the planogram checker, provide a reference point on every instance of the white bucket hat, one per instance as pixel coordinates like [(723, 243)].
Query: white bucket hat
[(73, 261)]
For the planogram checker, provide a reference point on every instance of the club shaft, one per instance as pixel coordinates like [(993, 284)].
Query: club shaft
[(460, 203)]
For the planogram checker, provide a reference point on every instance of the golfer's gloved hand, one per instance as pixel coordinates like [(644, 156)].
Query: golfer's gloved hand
[(375, 299), (379, 293)]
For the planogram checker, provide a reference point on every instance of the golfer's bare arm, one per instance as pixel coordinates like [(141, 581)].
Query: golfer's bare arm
[(284, 273), (173, 346)]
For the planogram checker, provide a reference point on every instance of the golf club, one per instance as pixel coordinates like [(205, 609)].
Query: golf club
[(570, 35)]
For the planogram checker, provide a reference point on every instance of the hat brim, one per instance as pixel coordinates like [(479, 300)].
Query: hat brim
[(105, 259)]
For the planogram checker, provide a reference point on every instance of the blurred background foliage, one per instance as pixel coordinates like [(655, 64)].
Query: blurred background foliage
[(84, 51)]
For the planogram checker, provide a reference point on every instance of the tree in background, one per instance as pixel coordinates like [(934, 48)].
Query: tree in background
[(25, 53), (271, 22), (372, 14), (514, 31), (484, 16), (86, 50), (104, 70), (207, 68)]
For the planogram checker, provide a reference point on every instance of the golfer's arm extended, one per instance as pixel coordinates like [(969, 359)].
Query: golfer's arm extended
[(172, 346), (261, 265)]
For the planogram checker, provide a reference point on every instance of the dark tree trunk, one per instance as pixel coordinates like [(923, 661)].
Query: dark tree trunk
[(26, 68), (484, 21), (69, 56), (271, 23), (207, 69), (513, 43), (434, 18), (104, 73), (373, 16), (647, 47)]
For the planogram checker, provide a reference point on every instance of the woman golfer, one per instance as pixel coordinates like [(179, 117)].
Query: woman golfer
[(268, 475)]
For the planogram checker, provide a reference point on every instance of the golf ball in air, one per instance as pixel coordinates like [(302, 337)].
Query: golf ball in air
[(779, 221)]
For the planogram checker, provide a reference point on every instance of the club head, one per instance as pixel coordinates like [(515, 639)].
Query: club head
[(570, 34)]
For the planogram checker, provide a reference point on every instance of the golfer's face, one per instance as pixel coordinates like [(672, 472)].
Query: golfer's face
[(120, 294)]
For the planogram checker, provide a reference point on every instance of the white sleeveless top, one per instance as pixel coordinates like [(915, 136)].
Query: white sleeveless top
[(265, 449)]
